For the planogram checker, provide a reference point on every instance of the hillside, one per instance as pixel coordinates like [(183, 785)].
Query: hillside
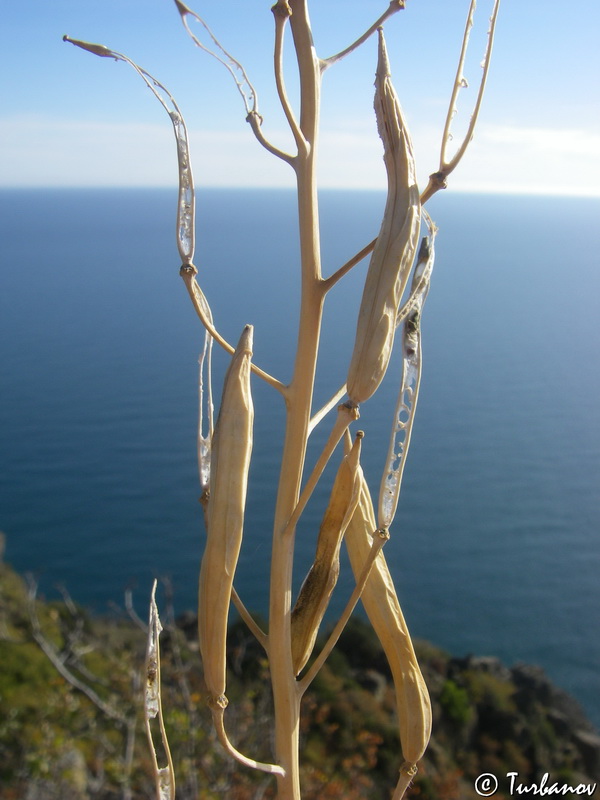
[(79, 735)]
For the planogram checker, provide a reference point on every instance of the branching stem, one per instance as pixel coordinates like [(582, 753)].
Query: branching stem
[(255, 121), (437, 180), (299, 403)]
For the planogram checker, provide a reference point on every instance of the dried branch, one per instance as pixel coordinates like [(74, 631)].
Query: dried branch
[(53, 656), (395, 5), (218, 713), (132, 613), (329, 282), (255, 121), (235, 69), (251, 623), (282, 12), (188, 273), (324, 410), (438, 179)]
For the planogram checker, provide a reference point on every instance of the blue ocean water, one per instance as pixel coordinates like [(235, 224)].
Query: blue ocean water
[(496, 546)]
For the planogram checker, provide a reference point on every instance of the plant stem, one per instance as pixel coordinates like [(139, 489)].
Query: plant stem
[(299, 397)]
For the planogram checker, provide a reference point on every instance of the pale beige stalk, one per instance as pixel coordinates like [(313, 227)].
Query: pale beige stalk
[(383, 609), (231, 451), (392, 258)]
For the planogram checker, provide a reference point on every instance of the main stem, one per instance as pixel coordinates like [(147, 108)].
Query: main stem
[(286, 695)]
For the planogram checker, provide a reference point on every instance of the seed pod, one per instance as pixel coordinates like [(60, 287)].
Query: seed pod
[(394, 251), (204, 440), (408, 394), (383, 609), (186, 200), (320, 582), (231, 451)]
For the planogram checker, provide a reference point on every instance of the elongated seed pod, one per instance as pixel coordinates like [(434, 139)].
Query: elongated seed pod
[(204, 440), (394, 251), (320, 582), (186, 199), (231, 451), (408, 394), (383, 609)]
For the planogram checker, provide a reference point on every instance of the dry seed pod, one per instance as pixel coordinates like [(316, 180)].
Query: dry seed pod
[(164, 777), (320, 582), (204, 441), (231, 451), (383, 609), (394, 251), (408, 394), (186, 200)]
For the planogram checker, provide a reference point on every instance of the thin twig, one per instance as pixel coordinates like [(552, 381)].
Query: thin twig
[(343, 270), (251, 623), (380, 537), (282, 12), (188, 272), (329, 282), (255, 121), (346, 415), (133, 613), (236, 70), (129, 755), (438, 179), (395, 5), (324, 410), (53, 656), (68, 601), (218, 713)]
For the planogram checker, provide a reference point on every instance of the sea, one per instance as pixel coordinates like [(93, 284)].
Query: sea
[(495, 548)]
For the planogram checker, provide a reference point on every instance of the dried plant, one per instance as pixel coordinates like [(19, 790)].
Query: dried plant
[(392, 300)]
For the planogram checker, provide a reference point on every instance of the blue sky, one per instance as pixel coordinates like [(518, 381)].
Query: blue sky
[(68, 118)]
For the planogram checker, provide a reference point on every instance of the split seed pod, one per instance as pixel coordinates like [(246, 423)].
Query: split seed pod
[(383, 609), (231, 451), (394, 251), (408, 394), (320, 582)]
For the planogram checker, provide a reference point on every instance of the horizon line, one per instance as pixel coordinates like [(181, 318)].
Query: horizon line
[(496, 191)]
